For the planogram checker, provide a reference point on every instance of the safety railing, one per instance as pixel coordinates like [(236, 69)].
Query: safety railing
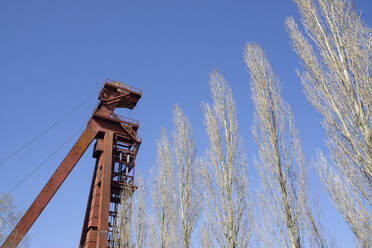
[(124, 86), (125, 119)]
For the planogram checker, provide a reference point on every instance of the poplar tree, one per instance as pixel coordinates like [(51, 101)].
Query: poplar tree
[(228, 215), (336, 49)]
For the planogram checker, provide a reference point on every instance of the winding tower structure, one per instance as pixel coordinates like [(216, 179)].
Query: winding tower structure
[(115, 150)]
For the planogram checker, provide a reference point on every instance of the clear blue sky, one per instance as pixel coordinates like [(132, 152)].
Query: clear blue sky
[(55, 54)]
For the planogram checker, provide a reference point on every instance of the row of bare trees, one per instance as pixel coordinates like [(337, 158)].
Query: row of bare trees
[(208, 200)]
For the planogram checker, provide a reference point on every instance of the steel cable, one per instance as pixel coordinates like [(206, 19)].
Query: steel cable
[(44, 161), (46, 130)]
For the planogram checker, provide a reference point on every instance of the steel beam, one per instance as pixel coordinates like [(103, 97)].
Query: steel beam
[(105, 191), (102, 124), (51, 187)]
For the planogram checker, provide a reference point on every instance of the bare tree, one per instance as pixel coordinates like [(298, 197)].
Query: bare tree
[(205, 238), (187, 191), (139, 213), (286, 216), (224, 172), (124, 223), (9, 218), (132, 216), (163, 193), (152, 237), (336, 54)]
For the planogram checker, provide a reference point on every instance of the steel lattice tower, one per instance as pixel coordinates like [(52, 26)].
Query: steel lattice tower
[(108, 211), (115, 154)]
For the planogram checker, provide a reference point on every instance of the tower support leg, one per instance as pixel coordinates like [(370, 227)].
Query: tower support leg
[(50, 188), (105, 191)]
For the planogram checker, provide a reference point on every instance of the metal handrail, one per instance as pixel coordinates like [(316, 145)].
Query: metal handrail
[(124, 86), (125, 119)]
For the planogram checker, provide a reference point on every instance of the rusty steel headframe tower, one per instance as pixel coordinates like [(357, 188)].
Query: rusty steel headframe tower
[(115, 152)]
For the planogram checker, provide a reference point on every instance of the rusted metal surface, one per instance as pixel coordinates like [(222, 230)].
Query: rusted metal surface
[(123, 86), (115, 152), (51, 187), (116, 95), (105, 191)]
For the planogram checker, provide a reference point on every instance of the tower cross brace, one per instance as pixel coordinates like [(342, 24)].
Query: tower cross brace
[(115, 151)]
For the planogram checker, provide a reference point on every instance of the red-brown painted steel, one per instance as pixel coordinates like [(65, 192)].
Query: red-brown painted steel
[(90, 206), (103, 217), (109, 129), (51, 187)]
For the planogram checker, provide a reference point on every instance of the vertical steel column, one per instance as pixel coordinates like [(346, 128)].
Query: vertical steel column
[(103, 218), (106, 183), (87, 225)]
